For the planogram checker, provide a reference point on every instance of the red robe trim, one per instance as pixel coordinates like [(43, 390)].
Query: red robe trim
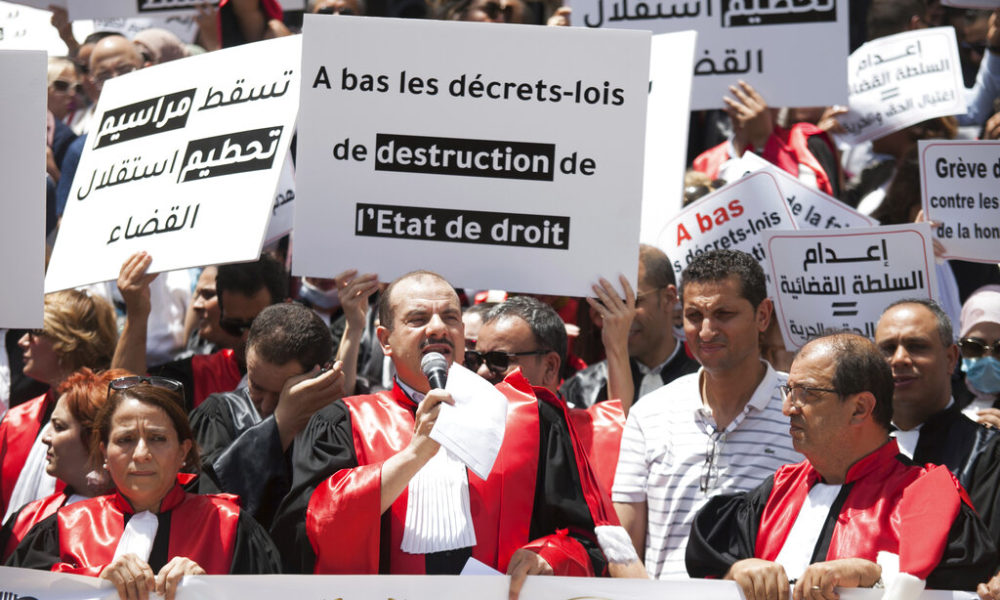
[(31, 515), (202, 528), (893, 507), (214, 373), (599, 429), (18, 430), (346, 505)]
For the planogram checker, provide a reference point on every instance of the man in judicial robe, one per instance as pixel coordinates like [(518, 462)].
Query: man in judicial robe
[(915, 336), (246, 436), (540, 510), (854, 513)]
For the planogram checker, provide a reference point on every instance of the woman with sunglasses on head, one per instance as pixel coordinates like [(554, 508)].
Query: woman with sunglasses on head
[(78, 331), (979, 344), (68, 438), (150, 533)]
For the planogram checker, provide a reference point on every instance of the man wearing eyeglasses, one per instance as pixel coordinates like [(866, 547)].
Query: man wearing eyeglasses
[(349, 508), (916, 338), (715, 431), (854, 513)]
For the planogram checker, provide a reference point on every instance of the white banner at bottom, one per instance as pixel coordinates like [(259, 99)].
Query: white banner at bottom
[(27, 584)]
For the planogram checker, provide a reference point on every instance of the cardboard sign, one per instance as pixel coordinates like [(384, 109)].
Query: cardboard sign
[(283, 209), (22, 202), (901, 80), (759, 42), (811, 208), (844, 280), (666, 129), (184, 26), (501, 166), (731, 218), (103, 9), (182, 162), (961, 196), (26, 28)]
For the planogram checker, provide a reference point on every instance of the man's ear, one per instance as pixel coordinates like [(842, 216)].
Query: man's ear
[(383, 339), (863, 407), (953, 354), (552, 367), (765, 311)]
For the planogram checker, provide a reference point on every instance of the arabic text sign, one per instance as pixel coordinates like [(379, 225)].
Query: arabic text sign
[(666, 128), (901, 80), (732, 218), (755, 40), (98, 9), (22, 202), (182, 162), (843, 280), (811, 208), (519, 158), (961, 196)]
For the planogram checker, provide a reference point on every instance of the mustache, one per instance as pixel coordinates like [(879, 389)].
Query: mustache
[(437, 341)]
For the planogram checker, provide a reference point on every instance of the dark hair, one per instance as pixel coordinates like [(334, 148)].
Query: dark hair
[(659, 273), (719, 265), (480, 309), (385, 312), (249, 278), (860, 367), (942, 322), (169, 401), (546, 326), (886, 17), (903, 193), (84, 393), (290, 331)]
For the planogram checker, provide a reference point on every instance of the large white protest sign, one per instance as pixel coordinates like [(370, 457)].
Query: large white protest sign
[(671, 56), (811, 208), (732, 218), (760, 42), (901, 80), (96, 9), (26, 28), (283, 209), (184, 26), (506, 164), (961, 196), (843, 280), (22, 175), (39, 4), (182, 162)]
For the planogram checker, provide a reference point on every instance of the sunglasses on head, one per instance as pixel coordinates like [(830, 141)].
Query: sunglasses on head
[(61, 85), (495, 360), (977, 348), (235, 327), (124, 383)]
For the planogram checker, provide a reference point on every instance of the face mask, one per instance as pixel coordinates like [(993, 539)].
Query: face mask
[(983, 373), (321, 299)]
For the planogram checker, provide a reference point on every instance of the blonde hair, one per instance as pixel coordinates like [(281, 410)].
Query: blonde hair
[(83, 329), (58, 64)]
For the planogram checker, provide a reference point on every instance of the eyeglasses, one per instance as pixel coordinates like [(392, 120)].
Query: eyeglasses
[(61, 85), (495, 360), (977, 348), (332, 10), (124, 383), (235, 327), (794, 394), (647, 294), (710, 468), (102, 76)]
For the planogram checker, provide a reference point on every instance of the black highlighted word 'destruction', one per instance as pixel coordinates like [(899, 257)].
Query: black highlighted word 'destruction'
[(469, 226)]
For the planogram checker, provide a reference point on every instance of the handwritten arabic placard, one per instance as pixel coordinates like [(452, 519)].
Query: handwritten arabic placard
[(98, 9), (22, 202), (901, 80), (283, 209), (811, 208), (26, 28), (759, 41), (519, 158), (183, 163), (671, 55), (961, 196), (843, 280), (731, 218)]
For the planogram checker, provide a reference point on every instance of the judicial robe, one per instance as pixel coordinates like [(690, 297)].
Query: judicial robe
[(886, 504), (27, 517), (210, 530), (599, 429), (203, 375), (18, 430), (541, 495)]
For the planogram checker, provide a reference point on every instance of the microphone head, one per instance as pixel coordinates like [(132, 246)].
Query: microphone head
[(433, 361)]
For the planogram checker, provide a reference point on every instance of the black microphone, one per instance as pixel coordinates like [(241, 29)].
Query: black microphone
[(435, 367)]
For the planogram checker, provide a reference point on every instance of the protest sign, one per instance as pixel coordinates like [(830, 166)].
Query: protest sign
[(671, 56), (26, 28), (184, 26), (39, 4), (811, 208), (97, 9), (182, 162), (481, 164), (731, 218), (283, 209), (22, 173), (901, 80), (758, 42), (961, 196), (973, 4), (843, 280)]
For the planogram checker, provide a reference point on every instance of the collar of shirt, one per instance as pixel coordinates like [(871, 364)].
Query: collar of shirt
[(411, 393), (644, 370), (761, 397)]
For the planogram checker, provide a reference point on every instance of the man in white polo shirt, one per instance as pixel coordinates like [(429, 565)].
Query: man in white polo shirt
[(716, 431)]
